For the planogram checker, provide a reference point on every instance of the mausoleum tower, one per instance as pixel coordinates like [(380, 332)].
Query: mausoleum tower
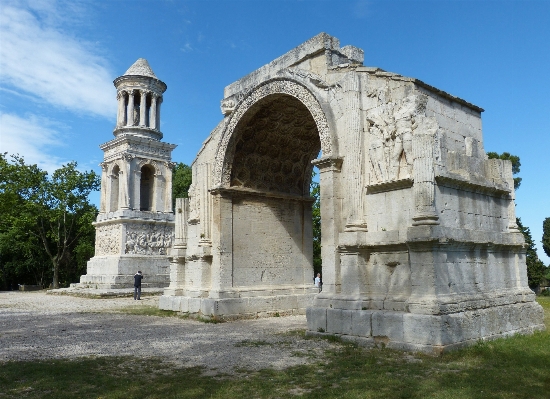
[(135, 225)]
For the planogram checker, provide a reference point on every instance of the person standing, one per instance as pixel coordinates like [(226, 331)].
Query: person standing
[(137, 285), (319, 282)]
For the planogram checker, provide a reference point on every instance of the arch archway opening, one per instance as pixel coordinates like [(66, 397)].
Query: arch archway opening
[(276, 140), (271, 174), (146, 188)]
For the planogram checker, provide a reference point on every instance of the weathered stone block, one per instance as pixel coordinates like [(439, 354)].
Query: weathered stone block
[(339, 321)]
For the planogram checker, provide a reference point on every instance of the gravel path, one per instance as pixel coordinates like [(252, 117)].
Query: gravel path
[(39, 326)]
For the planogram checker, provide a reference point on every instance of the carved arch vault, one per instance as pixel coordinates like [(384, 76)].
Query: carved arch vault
[(261, 105)]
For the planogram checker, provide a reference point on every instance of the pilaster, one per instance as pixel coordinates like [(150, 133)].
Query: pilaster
[(353, 160), (424, 179), (329, 176)]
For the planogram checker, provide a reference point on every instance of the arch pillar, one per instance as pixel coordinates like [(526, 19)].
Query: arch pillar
[(329, 176)]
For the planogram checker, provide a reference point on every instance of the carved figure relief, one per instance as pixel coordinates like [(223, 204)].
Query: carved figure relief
[(227, 106), (390, 133), (147, 239), (194, 203), (107, 239)]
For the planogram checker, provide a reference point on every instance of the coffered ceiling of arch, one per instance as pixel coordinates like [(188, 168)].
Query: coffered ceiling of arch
[(275, 145)]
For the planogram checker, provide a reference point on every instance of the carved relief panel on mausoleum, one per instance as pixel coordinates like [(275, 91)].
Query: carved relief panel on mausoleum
[(148, 239)]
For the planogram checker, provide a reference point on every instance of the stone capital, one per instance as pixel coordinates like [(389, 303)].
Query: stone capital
[(328, 164)]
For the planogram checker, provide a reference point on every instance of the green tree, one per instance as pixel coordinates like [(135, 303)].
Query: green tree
[(516, 164), (21, 258), (315, 192), (535, 268), (50, 213), (181, 180), (546, 236)]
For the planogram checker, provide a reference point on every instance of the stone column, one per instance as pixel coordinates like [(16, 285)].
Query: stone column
[(329, 170), (353, 161), (178, 252), (157, 189), (153, 111), (142, 106), (424, 178), (180, 233), (168, 166), (206, 201), (137, 189), (130, 109), (222, 244), (121, 97), (103, 200), (108, 192), (124, 184), (508, 176)]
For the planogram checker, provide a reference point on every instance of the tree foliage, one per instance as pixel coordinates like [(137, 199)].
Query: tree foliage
[(315, 192), (46, 230), (546, 236), (181, 181), (535, 268), (516, 164)]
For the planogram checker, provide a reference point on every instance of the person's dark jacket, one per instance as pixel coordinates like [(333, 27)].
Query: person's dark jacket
[(137, 279)]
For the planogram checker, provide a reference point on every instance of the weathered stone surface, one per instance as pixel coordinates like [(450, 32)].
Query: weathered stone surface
[(419, 244)]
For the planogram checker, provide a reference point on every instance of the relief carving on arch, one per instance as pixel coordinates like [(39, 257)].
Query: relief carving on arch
[(391, 127), (224, 156), (194, 203)]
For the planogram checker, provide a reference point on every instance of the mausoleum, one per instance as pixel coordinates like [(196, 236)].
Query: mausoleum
[(135, 224)]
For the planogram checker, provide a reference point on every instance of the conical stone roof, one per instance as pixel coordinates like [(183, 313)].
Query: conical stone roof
[(140, 68)]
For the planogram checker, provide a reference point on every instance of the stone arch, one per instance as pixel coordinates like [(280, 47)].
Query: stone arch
[(226, 148), (263, 173)]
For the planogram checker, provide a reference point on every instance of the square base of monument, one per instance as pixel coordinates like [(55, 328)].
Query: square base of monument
[(425, 333), (245, 307), (112, 272)]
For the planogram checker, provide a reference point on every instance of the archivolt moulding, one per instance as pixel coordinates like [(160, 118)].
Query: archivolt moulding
[(224, 153)]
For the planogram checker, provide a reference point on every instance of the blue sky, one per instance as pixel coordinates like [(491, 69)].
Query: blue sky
[(58, 60)]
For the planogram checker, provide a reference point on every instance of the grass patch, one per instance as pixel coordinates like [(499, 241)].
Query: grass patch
[(516, 367)]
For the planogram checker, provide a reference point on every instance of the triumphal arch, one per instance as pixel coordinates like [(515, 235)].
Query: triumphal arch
[(420, 248)]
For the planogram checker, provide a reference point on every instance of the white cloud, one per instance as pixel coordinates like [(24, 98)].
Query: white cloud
[(38, 57), (31, 138), (361, 9), (186, 47)]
